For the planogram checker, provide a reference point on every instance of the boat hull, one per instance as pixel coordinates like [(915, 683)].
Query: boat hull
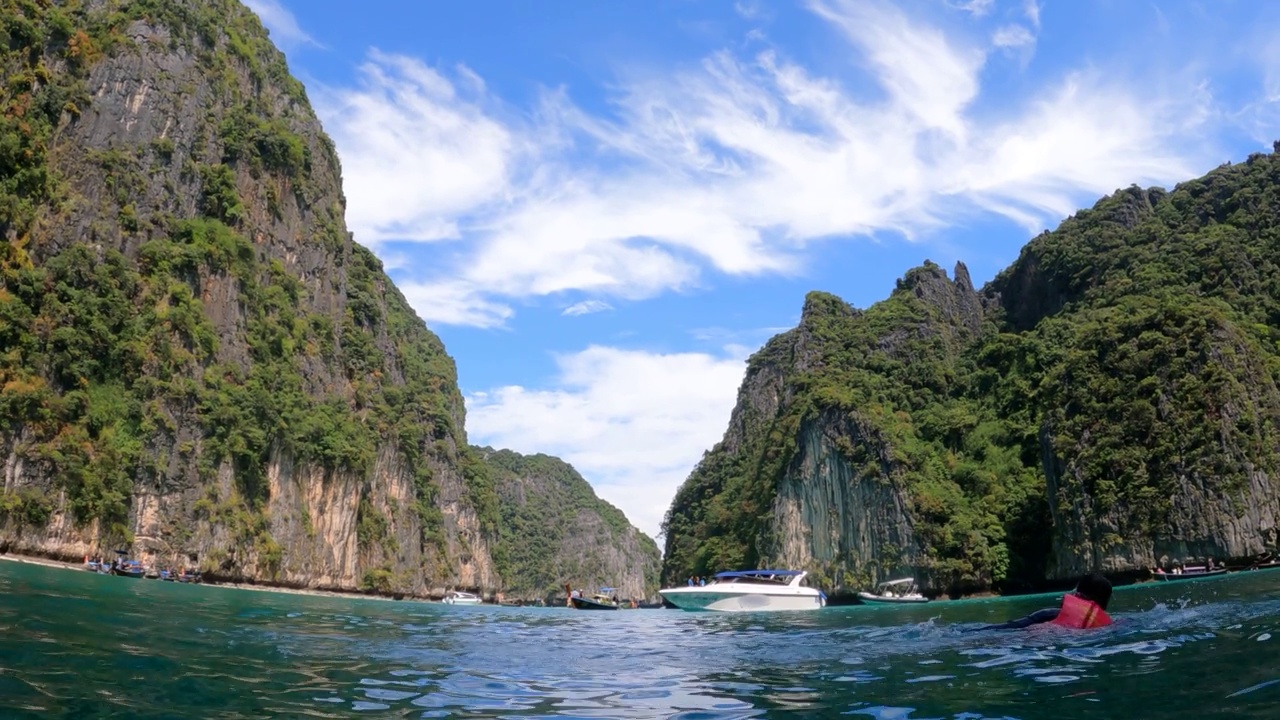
[(740, 600), (867, 597)]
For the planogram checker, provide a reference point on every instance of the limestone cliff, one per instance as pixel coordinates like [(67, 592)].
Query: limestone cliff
[(555, 531), (809, 473), (1158, 434), (1109, 402), (198, 361)]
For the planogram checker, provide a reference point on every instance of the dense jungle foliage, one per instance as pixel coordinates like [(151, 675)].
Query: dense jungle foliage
[(555, 529), (1135, 347), (108, 355)]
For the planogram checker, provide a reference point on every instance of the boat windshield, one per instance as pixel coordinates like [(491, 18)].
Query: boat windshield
[(902, 587), (756, 578)]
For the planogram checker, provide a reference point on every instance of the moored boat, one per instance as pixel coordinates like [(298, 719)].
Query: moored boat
[(902, 590), (457, 597), (748, 591), (598, 601), (578, 600), (1265, 561), (1192, 572), (129, 569)]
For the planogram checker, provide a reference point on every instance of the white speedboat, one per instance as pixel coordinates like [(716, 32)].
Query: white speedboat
[(461, 598), (748, 591), (902, 590)]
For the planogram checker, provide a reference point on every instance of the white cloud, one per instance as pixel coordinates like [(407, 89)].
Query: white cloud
[(748, 10), (1031, 9), (586, 307), (633, 423), (926, 74), (1261, 117), (1012, 36), (977, 7), (736, 165), (418, 152), (282, 24), (454, 302)]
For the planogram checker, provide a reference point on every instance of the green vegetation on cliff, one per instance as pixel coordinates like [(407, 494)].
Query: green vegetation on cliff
[(152, 331), (194, 351), (555, 530), (1054, 422)]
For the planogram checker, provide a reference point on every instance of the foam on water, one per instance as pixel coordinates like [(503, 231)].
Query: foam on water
[(75, 644)]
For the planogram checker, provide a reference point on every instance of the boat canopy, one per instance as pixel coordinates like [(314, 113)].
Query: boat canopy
[(899, 581), (758, 573)]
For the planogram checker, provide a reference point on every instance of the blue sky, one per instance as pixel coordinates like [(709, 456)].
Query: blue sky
[(604, 207)]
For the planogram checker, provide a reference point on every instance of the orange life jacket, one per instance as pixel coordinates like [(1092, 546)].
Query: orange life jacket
[(1081, 614)]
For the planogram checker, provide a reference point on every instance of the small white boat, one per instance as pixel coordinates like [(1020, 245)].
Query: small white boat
[(748, 591), (902, 590), (458, 597)]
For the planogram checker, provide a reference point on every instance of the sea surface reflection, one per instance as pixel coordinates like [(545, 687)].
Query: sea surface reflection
[(80, 645)]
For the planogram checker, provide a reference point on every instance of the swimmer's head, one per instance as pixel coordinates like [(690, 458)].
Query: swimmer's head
[(1096, 588)]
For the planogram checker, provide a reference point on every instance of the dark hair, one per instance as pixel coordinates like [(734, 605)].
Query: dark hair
[(1096, 588)]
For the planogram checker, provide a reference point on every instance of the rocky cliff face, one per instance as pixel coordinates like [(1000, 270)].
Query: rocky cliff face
[(1157, 438), (1108, 403), (198, 361), (846, 519), (555, 531), (807, 474)]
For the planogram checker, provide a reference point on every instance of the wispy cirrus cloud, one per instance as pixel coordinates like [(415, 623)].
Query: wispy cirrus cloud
[(281, 22), (748, 9), (586, 307), (419, 150), (454, 302), (632, 422), (1012, 36), (1031, 10), (734, 166), (977, 7)]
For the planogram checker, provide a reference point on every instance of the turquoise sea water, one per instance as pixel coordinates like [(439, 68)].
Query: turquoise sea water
[(74, 644)]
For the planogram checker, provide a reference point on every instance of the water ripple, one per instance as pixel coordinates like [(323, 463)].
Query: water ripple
[(75, 645)]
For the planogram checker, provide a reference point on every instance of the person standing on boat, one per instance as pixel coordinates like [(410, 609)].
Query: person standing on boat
[(1083, 609)]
